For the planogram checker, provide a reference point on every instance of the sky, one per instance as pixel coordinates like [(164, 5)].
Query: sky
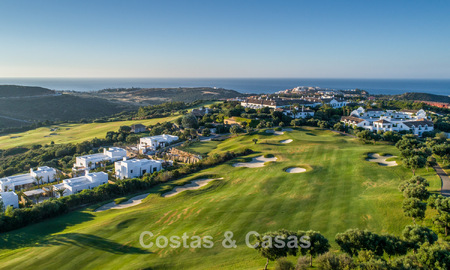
[(225, 39)]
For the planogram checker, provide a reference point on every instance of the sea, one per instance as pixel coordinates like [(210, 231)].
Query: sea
[(243, 85)]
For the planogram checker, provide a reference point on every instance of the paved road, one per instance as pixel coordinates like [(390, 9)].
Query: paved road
[(15, 119), (445, 188)]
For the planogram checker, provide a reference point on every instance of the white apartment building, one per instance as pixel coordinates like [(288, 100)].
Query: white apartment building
[(17, 182), (155, 142), (133, 168), (91, 161), (302, 113), (390, 120), (87, 181), (9, 199)]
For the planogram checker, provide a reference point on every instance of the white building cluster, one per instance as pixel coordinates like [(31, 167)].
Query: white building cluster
[(390, 120), (275, 103), (91, 161), (87, 181), (17, 182)]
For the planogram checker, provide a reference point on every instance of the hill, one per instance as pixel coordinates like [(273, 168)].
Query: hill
[(7, 91), (20, 111), (340, 191), (425, 97), (151, 96)]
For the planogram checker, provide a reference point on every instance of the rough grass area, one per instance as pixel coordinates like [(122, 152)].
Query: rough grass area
[(341, 192), (70, 133)]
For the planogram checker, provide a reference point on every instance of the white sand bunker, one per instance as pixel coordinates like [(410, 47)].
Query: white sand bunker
[(271, 131), (295, 170), (131, 202), (196, 184), (255, 163), (286, 141), (381, 160)]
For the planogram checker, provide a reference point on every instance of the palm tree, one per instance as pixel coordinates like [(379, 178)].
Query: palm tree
[(61, 191), (50, 191), (37, 196), (38, 180)]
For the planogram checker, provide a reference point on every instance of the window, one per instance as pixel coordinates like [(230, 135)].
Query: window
[(131, 171)]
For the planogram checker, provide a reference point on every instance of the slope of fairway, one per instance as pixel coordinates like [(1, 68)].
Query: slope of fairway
[(341, 191), (70, 133)]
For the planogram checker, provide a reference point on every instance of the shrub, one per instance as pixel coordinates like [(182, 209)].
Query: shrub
[(302, 263), (268, 155), (283, 264), (120, 200)]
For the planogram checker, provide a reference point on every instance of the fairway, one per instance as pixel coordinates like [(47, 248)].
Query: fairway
[(70, 133), (340, 190)]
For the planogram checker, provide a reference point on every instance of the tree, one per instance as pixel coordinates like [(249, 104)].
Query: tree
[(442, 205), (431, 161), (189, 121), (235, 129), (414, 162), (434, 257), (2, 206), (244, 124), (319, 245), (365, 136), (415, 188), (354, 240), (60, 191), (265, 245), (414, 208), (418, 235), (38, 180), (125, 129), (206, 132)]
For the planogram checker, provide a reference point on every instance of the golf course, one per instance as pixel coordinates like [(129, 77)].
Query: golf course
[(338, 190)]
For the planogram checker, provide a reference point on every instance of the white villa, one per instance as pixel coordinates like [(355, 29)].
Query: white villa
[(17, 182), (136, 167), (9, 199), (155, 142), (77, 184), (275, 103), (90, 161), (303, 113), (390, 120)]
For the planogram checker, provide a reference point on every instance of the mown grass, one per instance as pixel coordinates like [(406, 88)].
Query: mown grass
[(341, 191), (201, 147)]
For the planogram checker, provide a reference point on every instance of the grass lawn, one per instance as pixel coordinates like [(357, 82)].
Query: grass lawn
[(200, 148), (341, 191)]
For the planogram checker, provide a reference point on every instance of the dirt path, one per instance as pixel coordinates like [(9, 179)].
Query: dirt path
[(445, 188)]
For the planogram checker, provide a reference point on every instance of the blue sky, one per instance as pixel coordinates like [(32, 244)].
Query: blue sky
[(304, 39)]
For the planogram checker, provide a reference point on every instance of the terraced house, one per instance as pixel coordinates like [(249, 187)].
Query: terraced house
[(376, 120)]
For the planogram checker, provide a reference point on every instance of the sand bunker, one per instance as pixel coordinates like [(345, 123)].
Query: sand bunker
[(255, 163), (131, 202), (381, 160), (271, 131), (196, 184), (295, 170), (286, 141)]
